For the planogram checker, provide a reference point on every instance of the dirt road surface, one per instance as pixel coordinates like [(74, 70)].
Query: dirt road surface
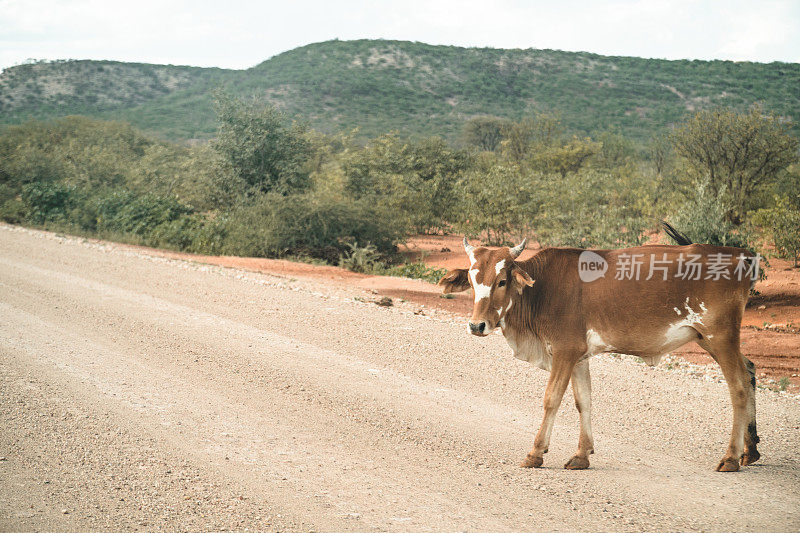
[(142, 393)]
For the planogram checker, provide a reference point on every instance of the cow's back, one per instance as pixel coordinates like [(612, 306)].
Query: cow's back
[(649, 299)]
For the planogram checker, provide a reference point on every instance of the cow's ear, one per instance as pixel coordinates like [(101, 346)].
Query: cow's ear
[(521, 277), (455, 281)]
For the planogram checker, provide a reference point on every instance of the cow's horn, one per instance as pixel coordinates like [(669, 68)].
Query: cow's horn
[(515, 251), (467, 245)]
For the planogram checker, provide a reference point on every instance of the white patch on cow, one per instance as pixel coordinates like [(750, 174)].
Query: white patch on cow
[(676, 332), (677, 310), (595, 343), (502, 323), (471, 255), (501, 312), (481, 291), (499, 266), (530, 348)]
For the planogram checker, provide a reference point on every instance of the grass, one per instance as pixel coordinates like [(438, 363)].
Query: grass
[(416, 270)]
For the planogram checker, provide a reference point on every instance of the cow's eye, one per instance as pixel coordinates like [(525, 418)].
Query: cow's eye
[(502, 283)]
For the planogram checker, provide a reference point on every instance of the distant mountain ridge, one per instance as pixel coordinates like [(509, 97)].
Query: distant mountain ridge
[(412, 88)]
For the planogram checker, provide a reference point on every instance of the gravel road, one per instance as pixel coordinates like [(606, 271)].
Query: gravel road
[(139, 392)]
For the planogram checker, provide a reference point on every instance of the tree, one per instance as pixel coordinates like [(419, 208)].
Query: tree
[(703, 218), (529, 134), (417, 178), (739, 153), (261, 146), (615, 150), (567, 158), (661, 156), (496, 200), (485, 132), (593, 208)]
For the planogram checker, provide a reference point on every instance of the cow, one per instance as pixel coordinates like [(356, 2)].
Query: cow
[(564, 305)]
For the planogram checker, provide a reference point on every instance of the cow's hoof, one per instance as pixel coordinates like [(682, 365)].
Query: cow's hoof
[(577, 462), (532, 461), (750, 457), (728, 464)]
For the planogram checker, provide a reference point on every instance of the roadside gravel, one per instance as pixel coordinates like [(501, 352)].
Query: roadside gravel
[(139, 392)]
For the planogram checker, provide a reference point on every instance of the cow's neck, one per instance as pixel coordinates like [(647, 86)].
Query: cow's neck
[(522, 327), (523, 313)]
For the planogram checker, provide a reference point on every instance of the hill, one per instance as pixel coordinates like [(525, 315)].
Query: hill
[(414, 88)]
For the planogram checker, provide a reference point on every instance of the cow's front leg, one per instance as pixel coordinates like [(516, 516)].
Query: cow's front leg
[(582, 389), (559, 378)]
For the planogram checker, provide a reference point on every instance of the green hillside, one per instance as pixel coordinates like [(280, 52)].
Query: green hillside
[(414, 88)]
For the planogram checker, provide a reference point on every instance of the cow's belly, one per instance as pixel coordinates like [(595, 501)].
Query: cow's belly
[(650, 346), (653, 346)]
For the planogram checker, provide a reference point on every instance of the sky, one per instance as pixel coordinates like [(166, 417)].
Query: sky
[(237, 34)]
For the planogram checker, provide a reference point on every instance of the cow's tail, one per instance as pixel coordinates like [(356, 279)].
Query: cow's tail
[(679, 238)]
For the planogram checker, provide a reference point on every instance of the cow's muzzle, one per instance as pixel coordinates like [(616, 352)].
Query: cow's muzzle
[(480, 329)]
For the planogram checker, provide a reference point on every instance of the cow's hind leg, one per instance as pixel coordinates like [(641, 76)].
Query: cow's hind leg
[(582, 390), (559, 378), (751, 439), (725, 350)]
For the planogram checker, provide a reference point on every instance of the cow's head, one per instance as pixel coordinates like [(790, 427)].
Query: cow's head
[(496, 280)]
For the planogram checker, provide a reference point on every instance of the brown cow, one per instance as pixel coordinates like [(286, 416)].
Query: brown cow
[(564, 305)]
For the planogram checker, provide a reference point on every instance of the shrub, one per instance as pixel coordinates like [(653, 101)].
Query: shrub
[(45, 202), (261, 146), (612, 228), (127, 212), (704, 219), (496, 201), (416, 178), (484, 132), (781, 224), (184, 233), (11, 207), (361, 258), (417, 270), (592, 209), (314, 225)]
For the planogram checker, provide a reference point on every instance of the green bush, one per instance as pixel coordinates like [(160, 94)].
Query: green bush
[(11, 207), (417, 270), (781, 225), (128, 212), (46, 202), (736, 155), (418, 178), (361, 258), (261, 146), (497, 200), (185, 233), (704, 219), (313, 225), (590, 208)]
